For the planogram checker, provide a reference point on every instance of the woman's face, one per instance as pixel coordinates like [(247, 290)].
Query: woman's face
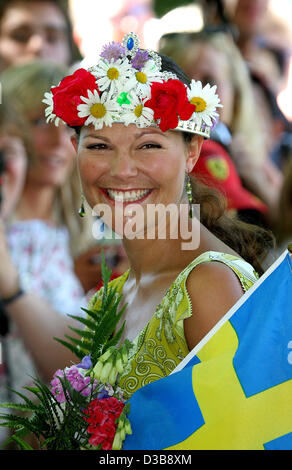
[(125, 167), (250, 16), (33, 30), (205, 63), (15, 158), (53, 157)]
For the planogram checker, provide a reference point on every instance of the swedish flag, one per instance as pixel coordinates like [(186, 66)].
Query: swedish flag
[(234, 390)]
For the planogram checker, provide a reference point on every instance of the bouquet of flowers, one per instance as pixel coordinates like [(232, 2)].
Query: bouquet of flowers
[(82, 407)]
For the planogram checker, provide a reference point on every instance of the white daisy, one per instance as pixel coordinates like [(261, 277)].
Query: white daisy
[(99, 110), (206, 101), (136, 112), (141, 80), (111, 76), (50, 115)]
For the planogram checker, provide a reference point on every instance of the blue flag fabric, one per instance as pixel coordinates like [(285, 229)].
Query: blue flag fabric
[(234, 390)]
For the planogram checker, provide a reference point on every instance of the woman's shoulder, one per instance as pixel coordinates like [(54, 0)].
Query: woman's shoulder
[(210, 261), (216, 284), (243, 270)]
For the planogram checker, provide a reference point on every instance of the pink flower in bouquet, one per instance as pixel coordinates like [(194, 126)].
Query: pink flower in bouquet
[(57, 389), (76, 379)]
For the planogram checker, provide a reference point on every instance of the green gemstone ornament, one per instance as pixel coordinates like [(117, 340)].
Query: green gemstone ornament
[(123, 99), (81, 211), (190, 195)]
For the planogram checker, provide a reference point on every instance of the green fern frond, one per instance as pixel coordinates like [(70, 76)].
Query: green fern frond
[(100, 323), (16, 422), (82, 345), (62, 426), (25, 398), (92, 313), (10, 423), (22, 444), (88, 323), (74, 349), (105, 274), (19, 407), (115, 339), (86, 334)]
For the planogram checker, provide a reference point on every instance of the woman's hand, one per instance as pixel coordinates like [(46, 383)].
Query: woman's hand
[(87, 269), (88, 265)]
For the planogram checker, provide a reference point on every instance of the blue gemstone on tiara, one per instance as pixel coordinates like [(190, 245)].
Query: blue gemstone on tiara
[(130, 43)]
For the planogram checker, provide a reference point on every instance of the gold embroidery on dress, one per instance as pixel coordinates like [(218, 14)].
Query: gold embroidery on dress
[(161, 345)]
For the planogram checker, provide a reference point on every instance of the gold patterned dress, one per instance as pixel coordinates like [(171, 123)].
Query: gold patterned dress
[(161, 345)]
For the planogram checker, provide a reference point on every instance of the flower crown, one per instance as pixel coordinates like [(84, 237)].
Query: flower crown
[(128, 86)]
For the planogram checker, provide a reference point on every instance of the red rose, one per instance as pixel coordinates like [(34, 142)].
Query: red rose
[(169, 102), (66, 96)]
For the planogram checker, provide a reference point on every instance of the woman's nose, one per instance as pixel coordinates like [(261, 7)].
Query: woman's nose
[(124, 166), (36, 44)]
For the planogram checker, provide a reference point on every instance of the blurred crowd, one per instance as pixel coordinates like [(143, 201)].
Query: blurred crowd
[(241, 48)]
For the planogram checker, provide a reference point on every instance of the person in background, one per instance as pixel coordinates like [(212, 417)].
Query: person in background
[(211, 56), (14, 147), (132, 15), (215, 168), (41, 30), (35, 29), (265, 42), (265, 52), (38, 285)]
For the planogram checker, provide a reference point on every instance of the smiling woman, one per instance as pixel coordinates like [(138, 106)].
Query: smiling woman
[(139, 126), (130, 167), (137, 154)]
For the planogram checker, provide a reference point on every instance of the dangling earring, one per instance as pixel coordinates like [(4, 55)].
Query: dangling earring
[(81, 211), (190, 195)]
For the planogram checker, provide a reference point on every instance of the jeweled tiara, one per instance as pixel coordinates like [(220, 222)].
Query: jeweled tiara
[(128, 86)]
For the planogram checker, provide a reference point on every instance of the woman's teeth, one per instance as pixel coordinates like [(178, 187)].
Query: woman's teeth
[(127, 196)]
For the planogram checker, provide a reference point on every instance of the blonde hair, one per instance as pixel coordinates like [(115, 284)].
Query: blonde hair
[(24, 86), (244, 120), (13, 124)]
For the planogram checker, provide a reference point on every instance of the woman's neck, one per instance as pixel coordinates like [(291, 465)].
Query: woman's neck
[(36, 203), (148, 257)]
